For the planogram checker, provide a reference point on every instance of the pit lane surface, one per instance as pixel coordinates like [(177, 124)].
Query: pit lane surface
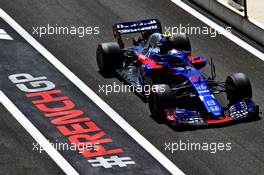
[(29, 97), (16, 147), (247, 154)]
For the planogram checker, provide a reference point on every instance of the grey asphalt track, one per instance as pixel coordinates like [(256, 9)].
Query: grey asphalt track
[(78, 54), (99, 128), (16, 150)]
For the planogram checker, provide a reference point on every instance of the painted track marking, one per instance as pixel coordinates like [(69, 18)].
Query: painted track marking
[(36, 134), (4, 35)]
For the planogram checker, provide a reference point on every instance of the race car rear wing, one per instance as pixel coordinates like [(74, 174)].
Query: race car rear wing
[(145, 27), (137, 26)]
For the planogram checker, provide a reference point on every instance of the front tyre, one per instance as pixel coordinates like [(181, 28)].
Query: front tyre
[(160, 99), (238, 87)]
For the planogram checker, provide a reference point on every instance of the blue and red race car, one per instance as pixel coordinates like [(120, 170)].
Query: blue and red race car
[(181, 93)]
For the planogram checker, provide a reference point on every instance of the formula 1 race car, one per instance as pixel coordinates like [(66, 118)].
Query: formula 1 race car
[(180, 93)]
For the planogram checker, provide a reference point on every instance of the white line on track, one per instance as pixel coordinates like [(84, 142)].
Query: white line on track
[(4, 35), (220, 29), (151, 149), (36, 134)]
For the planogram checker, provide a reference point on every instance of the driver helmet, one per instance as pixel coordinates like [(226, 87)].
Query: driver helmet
[(168, 43)]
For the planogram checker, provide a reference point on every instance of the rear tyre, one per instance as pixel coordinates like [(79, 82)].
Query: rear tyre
[(238, 87), (181, 42), (159, 100), (109, 57)]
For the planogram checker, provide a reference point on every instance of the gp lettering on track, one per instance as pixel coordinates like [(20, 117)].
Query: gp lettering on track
[(61, 112)]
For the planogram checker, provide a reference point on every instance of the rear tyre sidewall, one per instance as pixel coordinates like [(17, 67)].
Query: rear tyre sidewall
[(109, 57), (182, 42)]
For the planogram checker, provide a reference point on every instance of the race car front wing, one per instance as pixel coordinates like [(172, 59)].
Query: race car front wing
[(244, 109)]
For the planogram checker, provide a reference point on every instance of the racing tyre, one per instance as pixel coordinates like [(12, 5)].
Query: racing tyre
[(181, 42), (238, 87), (159, 100), (109, 57)]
